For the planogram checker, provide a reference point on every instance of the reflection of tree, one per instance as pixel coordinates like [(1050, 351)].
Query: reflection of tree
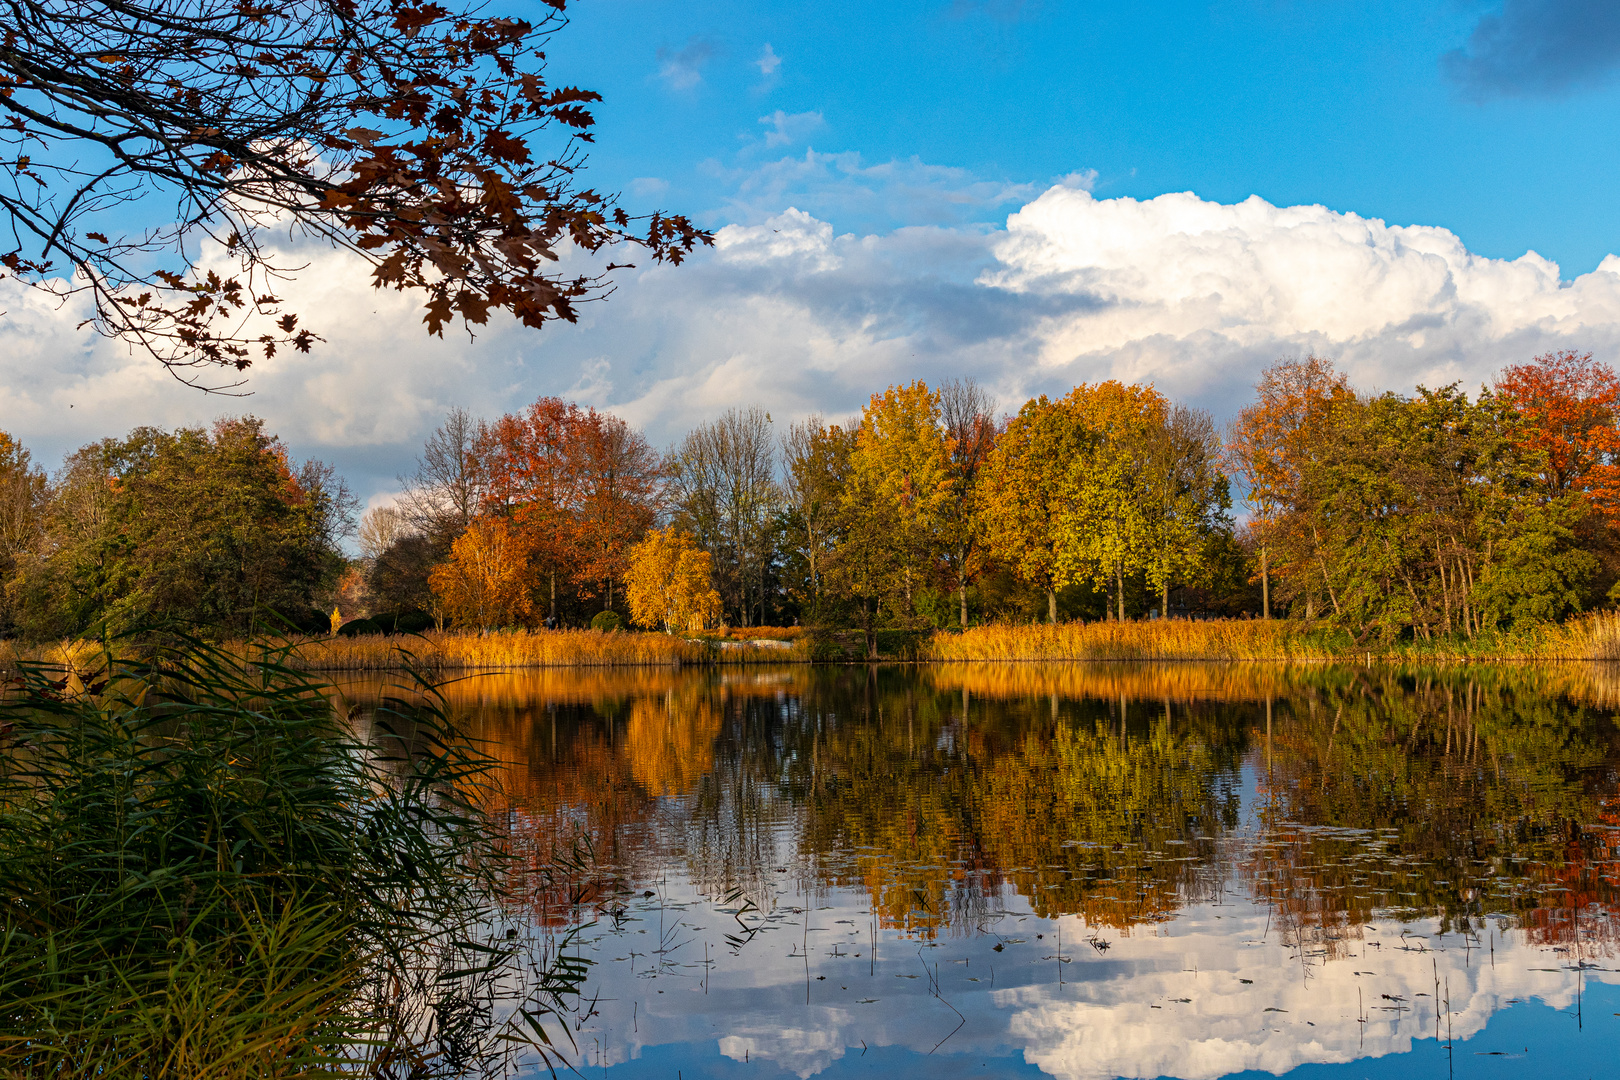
[(1457, 792), (1080, 808), (1087, 789)]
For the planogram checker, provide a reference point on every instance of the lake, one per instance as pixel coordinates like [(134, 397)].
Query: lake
[(1076, 871)]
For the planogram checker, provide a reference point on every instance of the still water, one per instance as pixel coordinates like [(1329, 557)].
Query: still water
[(1078, 871)]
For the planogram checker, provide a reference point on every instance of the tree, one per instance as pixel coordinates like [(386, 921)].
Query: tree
[(723, 490), (209, 530), (902, 482), (381, 527), (581, 485), (1570, 404), (1021, 497), (22, 512), (532, 464), (668, 583), (1272, 444), (444, 493), (815, 459), (970, 428), (485, 584), (1184, 498), (1105, 529), (620, 495), (422, 137)]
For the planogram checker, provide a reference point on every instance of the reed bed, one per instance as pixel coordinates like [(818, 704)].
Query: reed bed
[(1591, 637), (207, 873), (450, 650), (1175, 639)]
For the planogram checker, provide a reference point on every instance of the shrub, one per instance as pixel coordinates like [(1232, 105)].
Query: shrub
[(606, 621), (357, 627)]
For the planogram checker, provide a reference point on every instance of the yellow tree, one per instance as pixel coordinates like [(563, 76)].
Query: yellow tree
[(902, 459), (1020, 496), (485, 583), (1105, 529), (668, 583)]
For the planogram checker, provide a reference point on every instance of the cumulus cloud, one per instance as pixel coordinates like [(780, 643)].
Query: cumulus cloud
[(682, 69), (1538, 47), (788, 128), (789, 313)]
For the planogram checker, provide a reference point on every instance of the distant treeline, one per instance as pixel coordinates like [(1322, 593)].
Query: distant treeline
[(1391, 516)]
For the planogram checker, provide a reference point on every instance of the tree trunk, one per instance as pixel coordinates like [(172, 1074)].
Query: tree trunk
[(1164, 601), (867, 608), (1265, 583), (1119, 587), (554, 599), (1051, 606), (961, 593)]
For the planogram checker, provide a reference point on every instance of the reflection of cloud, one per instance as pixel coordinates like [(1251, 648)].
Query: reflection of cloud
[(794, 1049), (1538, 47), (788, 128), (682, 69), (1284, 1015)]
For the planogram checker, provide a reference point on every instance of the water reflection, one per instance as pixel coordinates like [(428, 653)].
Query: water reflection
[(1087, 871)]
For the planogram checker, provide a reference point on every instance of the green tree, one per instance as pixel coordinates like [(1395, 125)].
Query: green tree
[(1105, 531), (204, 529)]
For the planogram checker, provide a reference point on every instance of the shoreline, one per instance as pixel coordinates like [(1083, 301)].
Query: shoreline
[(1594, 638)]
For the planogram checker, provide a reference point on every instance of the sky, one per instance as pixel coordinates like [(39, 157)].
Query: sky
[(1029, 193)]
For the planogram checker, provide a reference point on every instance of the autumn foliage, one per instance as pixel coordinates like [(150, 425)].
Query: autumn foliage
[(668, 585)]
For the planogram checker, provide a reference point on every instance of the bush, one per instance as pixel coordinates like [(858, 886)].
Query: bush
[(607, 621), (357, 627)]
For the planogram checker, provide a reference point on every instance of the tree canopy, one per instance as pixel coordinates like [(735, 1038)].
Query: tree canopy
[(157, 147)]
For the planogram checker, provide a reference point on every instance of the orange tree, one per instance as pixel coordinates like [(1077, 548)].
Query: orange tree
[(580, 485), (1568, 402), (1271, 446), (486, 582)]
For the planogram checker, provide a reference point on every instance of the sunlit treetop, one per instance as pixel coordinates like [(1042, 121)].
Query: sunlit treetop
[(150, 150)]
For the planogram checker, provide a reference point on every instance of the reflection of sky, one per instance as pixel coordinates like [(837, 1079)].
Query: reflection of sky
[(1212, 992)]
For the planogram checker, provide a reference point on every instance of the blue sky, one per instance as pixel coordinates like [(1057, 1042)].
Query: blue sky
[(1030, 194), (1500, 123)]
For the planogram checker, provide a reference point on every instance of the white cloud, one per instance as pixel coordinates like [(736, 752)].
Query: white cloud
[(871, 198), (791, 314), (768, 63), (682, 69), (648, 187), (788, 128)]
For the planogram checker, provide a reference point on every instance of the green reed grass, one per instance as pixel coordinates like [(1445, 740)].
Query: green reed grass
[(204, 872)]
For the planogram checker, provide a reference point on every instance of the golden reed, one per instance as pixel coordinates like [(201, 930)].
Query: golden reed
[(1175, 639), (506, 649), (1591, 637)]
